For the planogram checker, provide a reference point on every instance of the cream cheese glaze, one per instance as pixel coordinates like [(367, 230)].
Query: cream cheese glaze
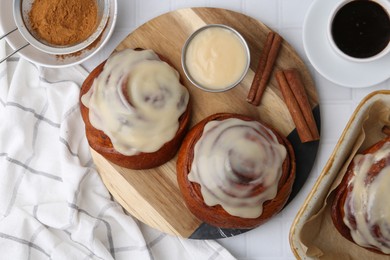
[(136, 101), (238, 165), (216, 58), (368, 202)]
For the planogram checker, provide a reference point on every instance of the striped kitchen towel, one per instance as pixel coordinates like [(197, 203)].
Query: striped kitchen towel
[(53, 204)]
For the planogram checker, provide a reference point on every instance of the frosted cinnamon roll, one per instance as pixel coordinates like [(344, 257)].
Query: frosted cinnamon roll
[(360, 210), (235, 172), (135, 109)]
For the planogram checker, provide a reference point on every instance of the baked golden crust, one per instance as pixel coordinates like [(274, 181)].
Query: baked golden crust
[(101, 143), (343, 189), (216, 215)]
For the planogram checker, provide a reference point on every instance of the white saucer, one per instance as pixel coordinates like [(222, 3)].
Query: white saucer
[(327, 62), (30, 53)]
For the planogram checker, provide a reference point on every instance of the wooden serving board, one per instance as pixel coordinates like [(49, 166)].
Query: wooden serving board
[(153, 196)]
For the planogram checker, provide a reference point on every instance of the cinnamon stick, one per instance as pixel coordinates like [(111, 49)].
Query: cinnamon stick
[(260, 67), (298, 89), (297, 115), (264, 69)]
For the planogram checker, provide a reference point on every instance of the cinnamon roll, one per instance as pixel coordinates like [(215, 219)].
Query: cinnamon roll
[(135, 109), (360, 209), (234, 171)]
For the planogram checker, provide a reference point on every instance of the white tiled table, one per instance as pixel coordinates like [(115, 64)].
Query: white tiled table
[(337, 103)]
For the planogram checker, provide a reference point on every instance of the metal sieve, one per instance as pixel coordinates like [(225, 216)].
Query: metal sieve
[(21, 10)]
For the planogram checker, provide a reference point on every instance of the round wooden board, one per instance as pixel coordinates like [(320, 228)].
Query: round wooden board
[(153, 196)]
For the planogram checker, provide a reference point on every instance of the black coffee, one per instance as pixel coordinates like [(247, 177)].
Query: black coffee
[(361, 28)]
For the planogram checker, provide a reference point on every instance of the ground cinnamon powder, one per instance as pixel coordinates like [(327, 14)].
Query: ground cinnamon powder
[(63, 22)]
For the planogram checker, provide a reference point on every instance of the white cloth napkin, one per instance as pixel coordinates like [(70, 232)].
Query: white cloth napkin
[(53, 204)]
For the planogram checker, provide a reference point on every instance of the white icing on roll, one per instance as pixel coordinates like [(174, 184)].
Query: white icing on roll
[(232, 159), (157, 100), (368, 202)]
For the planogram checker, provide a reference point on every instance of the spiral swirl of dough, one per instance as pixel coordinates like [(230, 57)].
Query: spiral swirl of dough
[(137, 101), (367, 211), (238, 165)]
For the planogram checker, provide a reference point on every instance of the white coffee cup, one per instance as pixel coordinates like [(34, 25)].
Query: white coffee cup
[(335, 43)]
